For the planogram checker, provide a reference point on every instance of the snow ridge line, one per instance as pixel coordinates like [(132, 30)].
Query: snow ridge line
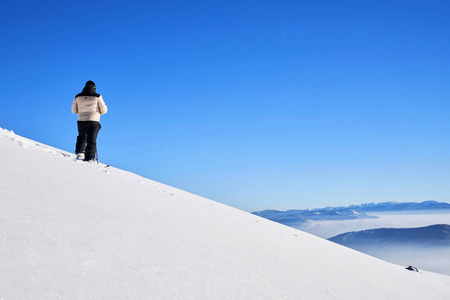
[(107, 169), (26, 143)]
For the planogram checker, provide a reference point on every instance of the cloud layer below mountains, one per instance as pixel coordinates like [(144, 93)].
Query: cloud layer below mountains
[(327, 229), (425, 258)]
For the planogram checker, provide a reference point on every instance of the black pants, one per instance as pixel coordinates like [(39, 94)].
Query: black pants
[(87, 138)]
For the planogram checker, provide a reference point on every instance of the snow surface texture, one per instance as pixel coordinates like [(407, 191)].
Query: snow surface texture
[(76, 230)]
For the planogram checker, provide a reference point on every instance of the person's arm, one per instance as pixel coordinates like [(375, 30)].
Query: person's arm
[(102, 106), (75, 106)]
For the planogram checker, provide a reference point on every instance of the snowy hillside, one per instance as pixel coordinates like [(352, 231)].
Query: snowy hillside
[(74, 230)]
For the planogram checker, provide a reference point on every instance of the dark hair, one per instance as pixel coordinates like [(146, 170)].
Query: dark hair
[(90, 82)]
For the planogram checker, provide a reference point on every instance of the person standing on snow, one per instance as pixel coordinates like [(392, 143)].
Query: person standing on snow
[(89, 106)]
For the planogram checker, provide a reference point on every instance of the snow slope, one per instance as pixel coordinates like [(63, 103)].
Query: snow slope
[(74, 230)]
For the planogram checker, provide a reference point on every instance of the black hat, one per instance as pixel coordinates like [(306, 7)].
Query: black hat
[(90, 82)]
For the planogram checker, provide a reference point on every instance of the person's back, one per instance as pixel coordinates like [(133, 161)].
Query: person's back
[(89, 106)]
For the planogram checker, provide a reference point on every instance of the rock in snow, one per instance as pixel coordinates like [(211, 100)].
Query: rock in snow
[(74, 230)]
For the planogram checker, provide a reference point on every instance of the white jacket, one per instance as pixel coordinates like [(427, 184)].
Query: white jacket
[(89, 108)]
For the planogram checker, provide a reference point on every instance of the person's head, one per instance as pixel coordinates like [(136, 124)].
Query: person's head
[(90, 83), (89, 88)]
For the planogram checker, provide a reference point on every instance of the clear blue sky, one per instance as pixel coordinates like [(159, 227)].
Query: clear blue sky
[(255, 104)]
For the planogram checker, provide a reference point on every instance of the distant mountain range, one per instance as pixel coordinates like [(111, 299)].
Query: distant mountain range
[(396, 206), (295, 217), (434, 235)]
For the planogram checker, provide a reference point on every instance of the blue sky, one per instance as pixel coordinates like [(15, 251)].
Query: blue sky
[(255, 104)]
